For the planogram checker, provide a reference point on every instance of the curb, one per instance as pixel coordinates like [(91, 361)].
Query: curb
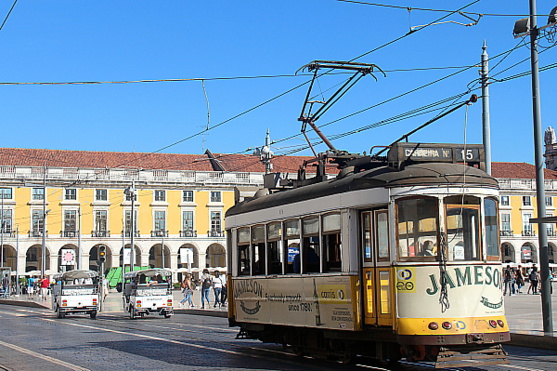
[(533, 341), (203, 312), (21, 303)]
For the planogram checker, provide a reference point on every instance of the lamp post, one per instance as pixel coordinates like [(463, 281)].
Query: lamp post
[(528, 26), (131, 195)]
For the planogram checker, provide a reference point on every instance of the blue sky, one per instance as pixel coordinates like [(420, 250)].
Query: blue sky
[(75, 41)]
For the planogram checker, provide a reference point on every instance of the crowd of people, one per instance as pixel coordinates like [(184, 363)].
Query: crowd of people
[(514, 280), (206, 282)]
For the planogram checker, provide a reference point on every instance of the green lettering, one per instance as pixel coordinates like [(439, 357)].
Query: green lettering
[(463, 279), (488, 277), (433, 290), (478, 272)]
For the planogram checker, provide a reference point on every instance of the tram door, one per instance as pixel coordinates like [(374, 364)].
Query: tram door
[(376, 268)]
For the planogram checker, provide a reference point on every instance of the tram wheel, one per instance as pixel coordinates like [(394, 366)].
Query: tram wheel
[(298, 351), (93, 314)]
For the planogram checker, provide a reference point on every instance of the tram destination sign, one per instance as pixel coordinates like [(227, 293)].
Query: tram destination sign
[(433, 152)]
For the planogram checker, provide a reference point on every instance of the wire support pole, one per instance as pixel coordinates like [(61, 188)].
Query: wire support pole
[(547, 316), (486, 123)]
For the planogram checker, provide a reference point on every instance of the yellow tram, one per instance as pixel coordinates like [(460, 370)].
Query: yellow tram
[(396, 257)]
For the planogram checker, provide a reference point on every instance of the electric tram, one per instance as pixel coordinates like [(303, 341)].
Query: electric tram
[(395, 257)]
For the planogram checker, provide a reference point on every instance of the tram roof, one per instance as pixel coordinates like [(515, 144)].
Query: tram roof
[(422, 174)]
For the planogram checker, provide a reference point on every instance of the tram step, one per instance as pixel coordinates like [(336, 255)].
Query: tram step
[(455, 357)]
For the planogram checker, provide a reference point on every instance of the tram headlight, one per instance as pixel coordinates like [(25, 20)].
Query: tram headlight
[(493, 323), (501, 323), (433, 326), (447, 325)]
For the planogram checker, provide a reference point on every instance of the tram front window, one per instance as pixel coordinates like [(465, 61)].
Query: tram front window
[(417, 221), (463, 227)]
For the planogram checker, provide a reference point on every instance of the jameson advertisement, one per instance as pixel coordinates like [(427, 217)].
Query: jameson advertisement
[(324, 302), (472, 289)]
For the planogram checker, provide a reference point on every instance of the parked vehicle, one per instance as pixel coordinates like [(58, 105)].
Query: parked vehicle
[(148, 291), (76, 291)]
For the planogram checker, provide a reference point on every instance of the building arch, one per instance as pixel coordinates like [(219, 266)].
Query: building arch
[(183, 260), (9, 257), (33, 258), (94, 257), (137, 249), (156, 257), (508, 252), (215, 256), (528, 253)]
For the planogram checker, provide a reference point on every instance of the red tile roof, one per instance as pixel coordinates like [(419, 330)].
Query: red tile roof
[(93, 159), (201, 162), (518, 170)]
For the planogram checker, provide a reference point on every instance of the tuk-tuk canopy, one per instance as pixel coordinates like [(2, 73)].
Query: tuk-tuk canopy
[(76, 274), (149, 273)]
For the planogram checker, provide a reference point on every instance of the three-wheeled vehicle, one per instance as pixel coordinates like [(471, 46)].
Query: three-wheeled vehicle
[(76, 291), (148, 291)]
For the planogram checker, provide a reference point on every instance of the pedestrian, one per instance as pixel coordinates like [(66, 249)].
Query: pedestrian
[(534, 279), (6, 286), (217, 287), (44, 284), (508, 280), (187, 290), (224, 293), (519, 279), (206, 283), (105, 288)]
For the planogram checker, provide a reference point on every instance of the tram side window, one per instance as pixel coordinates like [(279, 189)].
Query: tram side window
[(243, 238), (463, 227), (291, 243), (417, 223), (311, 248), (258, 249), (491, 229), (332, 243), (275, 248)]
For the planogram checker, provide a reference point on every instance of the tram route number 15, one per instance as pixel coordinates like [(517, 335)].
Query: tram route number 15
[(469, 154)]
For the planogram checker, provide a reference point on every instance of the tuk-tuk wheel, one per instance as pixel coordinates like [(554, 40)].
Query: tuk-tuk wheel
[(132, 313), (93, 314), (167, 315), (60, 313)]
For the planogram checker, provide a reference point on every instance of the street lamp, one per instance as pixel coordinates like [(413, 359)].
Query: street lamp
[(131, 195), (523, 27)]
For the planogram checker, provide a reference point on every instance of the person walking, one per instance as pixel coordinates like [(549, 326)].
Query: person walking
[(45, 283), (6, 286), (206, 283), (534, 279), (217, 288), (187, 290), (519, 279), (508, 279)]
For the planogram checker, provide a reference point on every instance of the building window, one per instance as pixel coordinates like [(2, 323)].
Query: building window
[(101, 223), (549, 201), (187, 225), (215, 224), (101, 195), (505, 201), (527, 229), (38, 194), (160, 196), (70, 194), (526, 201), (506, 223), (128, 223), (70, 223), (216, 196), (160, 220), (6, 193), (37, 222), (6, 226), (550, 227), (187, 196)]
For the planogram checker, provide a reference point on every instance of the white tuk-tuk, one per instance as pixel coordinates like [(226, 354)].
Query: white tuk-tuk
[(76, 291), (147, 291)]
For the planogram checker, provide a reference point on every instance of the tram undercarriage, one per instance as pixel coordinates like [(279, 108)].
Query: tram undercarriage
[(381, 344)]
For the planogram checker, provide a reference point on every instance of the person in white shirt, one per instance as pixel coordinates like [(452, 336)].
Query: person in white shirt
[(217, 287)]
